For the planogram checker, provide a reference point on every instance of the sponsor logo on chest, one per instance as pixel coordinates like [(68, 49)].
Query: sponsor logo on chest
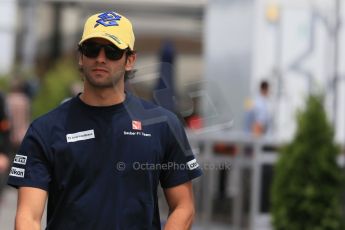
[(136, 125), (137, 130), (80, 136)]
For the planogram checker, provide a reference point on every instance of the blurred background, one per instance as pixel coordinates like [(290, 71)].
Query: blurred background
[(236, 72)]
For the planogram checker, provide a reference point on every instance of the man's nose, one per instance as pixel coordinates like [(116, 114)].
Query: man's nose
[(101, 56)]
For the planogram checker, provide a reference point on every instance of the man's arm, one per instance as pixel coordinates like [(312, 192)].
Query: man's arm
[(4, 162), (257, 129), (30, 207), (181, 205)]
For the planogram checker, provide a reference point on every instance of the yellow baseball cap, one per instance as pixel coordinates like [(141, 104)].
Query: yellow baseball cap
[(111, 26)]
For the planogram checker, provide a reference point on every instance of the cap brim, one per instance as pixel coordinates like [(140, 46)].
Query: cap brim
[(111, 38)]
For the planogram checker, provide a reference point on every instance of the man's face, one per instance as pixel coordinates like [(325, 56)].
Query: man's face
[(102, 72), (265, 92)]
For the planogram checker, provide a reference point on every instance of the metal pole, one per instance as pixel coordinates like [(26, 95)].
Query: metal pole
[(277, 71), (57, 34), (29, 33), (336, 62)]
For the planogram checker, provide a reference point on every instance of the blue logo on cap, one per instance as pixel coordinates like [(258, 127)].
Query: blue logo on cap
[(108, 19)]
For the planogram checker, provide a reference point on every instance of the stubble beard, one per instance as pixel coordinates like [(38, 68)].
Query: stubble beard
[(110, 82)]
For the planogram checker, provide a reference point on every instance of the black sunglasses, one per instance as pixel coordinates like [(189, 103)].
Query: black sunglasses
[(92, 49)]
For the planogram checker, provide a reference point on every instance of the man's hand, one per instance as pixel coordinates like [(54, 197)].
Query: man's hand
[(4, 163)]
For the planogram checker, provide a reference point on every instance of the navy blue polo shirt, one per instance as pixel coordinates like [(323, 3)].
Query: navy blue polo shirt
[(101, 166)]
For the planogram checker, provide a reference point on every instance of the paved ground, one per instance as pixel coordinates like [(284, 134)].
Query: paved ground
[(7, 209)]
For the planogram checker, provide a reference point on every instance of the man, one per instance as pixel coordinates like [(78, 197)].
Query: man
[(100, 156), (4, 144), (18, 104), (258, 117), (262, 116)]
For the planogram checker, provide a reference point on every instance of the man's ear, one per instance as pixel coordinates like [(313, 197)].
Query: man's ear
[(130, 62), (80, 59), (80, 62)]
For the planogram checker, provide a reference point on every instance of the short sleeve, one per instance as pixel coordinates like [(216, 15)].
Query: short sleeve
[(30, 166), (180, 162), (261, 113)]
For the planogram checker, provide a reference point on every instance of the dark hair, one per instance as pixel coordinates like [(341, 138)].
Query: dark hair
[(264, 85), (130, 74)]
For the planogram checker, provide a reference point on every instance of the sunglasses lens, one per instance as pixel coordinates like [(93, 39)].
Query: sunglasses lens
[(112, 52), (91, 50)]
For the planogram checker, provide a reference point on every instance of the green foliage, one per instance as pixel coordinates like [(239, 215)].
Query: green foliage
[(55, 87), (4, 83), (307, 186), (17, 73)]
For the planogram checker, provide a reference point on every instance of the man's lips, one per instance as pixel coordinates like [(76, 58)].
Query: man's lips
[(100, 70)]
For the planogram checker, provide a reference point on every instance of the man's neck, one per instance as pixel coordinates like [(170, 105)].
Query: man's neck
[(102, 96)]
